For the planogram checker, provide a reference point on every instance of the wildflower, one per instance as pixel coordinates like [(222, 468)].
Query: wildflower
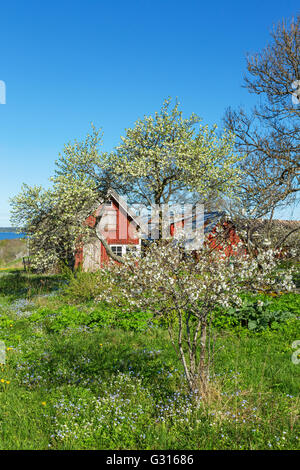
[(43, 403), (2, 381), (8, 382)]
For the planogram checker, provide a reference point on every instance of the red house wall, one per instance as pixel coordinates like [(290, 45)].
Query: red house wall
[(232, 239), (229, 248), (124, 234)]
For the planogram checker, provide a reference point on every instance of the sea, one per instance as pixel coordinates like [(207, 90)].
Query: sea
[(11, 235)]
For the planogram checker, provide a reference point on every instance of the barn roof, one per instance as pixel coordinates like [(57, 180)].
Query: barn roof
[(192, 222), (121, 201), (111, 193), (209, 219), (288, 224)]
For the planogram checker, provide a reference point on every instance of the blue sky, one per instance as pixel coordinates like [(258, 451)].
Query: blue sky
[(69, 63)]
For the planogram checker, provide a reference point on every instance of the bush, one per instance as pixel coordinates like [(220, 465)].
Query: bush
[(256, 314), (102, 316), (83, 287)]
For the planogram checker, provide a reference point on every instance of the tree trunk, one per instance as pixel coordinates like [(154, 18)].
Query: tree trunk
[(202, 370)]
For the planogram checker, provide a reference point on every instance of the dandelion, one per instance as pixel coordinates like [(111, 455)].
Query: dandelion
[(43, 403)]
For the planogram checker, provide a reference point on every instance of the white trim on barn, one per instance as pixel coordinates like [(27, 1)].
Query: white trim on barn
[(123, 250)]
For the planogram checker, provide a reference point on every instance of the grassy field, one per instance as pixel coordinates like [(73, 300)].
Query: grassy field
[(12, 252), (79, 375)]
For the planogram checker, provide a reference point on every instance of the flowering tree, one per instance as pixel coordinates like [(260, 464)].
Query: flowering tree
[(160, 159), (53, 220), (166, 154), (169, 283)]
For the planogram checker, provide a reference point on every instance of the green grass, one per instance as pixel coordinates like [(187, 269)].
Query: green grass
[(12, 252), (69, 383)]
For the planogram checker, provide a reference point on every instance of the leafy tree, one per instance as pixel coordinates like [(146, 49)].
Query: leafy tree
[(166, 155), (161, 160), (84, 161), (53, 221)]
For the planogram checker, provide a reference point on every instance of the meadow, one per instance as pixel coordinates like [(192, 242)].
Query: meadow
[(80, 374), (12, 251)]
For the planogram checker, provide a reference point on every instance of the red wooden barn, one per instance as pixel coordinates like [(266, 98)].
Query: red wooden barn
[(119, 226), (219, 232), (122, 230)]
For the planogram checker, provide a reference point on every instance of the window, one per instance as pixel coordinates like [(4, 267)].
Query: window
[(131, 250), (117, 250), (109, 220), (123, 250)]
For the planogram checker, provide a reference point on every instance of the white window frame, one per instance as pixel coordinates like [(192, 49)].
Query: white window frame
[(119, 246), (136, 247), (124, 248)]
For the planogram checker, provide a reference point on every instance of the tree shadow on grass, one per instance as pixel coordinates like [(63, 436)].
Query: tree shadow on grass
[(90, 359), (16, 284)]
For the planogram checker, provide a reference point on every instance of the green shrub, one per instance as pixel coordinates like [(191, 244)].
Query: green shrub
[(289, 302), (258, 313), (83, 287), (103, 315)]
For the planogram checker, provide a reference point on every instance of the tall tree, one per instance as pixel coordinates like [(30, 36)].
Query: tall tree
[(269, 135), (53, 221), (161, 160), (165, 156)]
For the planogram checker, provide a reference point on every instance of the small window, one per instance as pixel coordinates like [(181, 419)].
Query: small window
[(130, 250), (117, 250)]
